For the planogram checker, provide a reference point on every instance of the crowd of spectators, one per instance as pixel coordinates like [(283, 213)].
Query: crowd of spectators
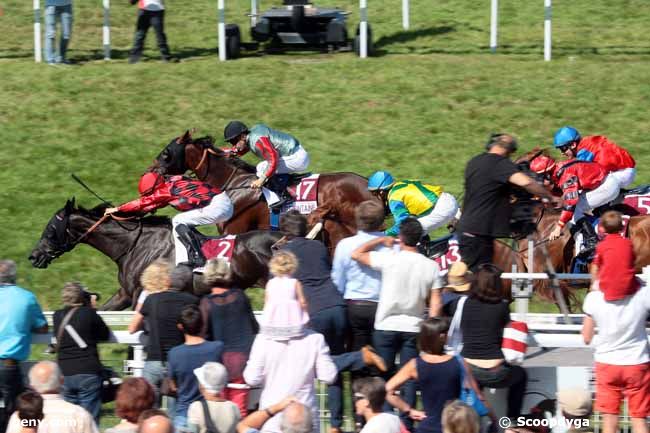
[(381, 312)]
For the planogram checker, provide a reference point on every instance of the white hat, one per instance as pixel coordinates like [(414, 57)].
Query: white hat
[(212, 376)]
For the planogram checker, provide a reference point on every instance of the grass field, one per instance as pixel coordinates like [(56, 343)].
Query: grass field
[(420, 108)]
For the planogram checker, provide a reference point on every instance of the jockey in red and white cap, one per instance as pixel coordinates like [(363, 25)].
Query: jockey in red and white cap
[(585, 186), (199, 203)]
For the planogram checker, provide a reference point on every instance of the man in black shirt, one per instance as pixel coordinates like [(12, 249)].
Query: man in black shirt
[(486, 206)]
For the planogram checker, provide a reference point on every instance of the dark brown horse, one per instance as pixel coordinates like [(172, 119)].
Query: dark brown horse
[(338, 193), (133, 245)]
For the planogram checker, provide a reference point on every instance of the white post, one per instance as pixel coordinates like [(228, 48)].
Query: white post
[(222, 30), (494, 17), (38, 50), (405, 14), (547, 30), (253, 13), (138, 357), (106, 30), (363, 29)]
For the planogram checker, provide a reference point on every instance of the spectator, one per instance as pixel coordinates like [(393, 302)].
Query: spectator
[(212, 409), (289, 367), (484, 316), (134, 396), (369, 400), (457, 417), (622, 360), (155, 421), (576, 407), (57, 10), (150, 13), (77, 353), (438, 375), (20, 315), (297, 418), (29, 406), (486, 208), (228, 317), (458, 283), (408, 281), (160, 312), (613, 266), (59, 416), (326, 307), (359, 284), (184, 359)]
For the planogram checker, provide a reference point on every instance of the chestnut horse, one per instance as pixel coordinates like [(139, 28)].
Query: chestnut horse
[(338, 193)]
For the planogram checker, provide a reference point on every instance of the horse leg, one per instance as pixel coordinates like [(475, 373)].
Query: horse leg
[(118, 302)]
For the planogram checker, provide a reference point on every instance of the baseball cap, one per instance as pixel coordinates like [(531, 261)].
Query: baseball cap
[(212, 376), (457, 277), (575, 401)]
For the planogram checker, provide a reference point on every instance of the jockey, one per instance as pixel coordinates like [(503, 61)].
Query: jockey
[(585, 186), (405, 198), (199, 203), (281, 152), (597, 148)]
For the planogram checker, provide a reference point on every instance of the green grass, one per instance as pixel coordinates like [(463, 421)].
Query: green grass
[(421, 108)]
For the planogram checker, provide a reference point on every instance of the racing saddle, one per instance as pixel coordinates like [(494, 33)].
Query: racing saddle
[(278, 183)]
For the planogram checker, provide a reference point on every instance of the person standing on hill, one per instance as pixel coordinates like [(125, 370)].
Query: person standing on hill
[(57, 10), (486, 208), (150, 13)]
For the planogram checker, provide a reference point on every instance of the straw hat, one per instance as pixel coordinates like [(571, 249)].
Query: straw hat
[(458, 277), (575, 401)]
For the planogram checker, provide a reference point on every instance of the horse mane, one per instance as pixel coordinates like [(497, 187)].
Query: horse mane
[(208, 142), (98, 212), (532, 154)]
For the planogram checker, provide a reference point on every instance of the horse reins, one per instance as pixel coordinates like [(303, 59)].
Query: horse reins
[(94, 226), (224, 188)]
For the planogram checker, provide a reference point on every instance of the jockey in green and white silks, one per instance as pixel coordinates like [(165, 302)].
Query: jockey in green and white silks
[(281, 152), (428, 203)]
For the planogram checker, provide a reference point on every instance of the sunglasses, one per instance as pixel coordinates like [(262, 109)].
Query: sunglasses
[(564, 148)]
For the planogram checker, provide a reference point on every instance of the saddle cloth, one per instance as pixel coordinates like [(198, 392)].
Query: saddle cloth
[(220, 248), (443, 251)]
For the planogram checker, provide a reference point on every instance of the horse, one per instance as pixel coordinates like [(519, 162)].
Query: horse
[(135, 244), (338, 193)]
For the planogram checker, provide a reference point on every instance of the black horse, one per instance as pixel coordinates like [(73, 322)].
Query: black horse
[(134, 244)]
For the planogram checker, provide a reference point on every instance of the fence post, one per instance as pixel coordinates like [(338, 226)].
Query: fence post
[(138, 357), (106, 30), (253, 13), (494, 18), (221, 29), (38, 51), (405, 14), (547, 30), (363, 29)]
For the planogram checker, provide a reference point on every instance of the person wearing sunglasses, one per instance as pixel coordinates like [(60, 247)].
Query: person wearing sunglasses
[(599, 149)]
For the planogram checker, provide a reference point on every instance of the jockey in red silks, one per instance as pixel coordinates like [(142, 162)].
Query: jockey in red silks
[(599, 149), (585, 186), (199, 203)]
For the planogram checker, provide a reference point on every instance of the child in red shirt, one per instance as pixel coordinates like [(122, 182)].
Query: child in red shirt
[(613, 265)]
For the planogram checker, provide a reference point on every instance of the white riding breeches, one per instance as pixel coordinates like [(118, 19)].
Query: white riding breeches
[(444, 210), (297, 161), (218, 210), (606, 192), (624, 177)]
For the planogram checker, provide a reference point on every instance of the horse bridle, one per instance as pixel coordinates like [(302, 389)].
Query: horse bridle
[(207, 151)]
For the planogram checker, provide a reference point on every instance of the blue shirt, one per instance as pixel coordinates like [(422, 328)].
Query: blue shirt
[(57, 3), (19, 315), (352, 279), (182, 360)]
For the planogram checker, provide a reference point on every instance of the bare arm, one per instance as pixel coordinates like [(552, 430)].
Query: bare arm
[(301, 295), (530, 185), (407, 372), (362, 254), (136, 323), (588, 329), (257, 419), (435, 303)]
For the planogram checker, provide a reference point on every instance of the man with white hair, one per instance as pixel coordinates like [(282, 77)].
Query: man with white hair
[(156, 424), (213, 412), (20, 315), (59, 416), (296, 418)]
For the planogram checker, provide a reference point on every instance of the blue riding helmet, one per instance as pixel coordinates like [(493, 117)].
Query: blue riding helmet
[(566, 135), (380, 180)]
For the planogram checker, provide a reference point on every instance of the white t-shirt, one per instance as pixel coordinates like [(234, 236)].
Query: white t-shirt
[(382, 423), (225, 416), (622, 339), (406, 282)]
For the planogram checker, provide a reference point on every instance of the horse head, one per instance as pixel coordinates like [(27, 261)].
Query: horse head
[(55, 239), (172, 158)]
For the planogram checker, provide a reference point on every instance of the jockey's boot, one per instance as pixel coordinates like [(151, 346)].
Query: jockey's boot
[(192, 245), (589, 239), (278, 184)]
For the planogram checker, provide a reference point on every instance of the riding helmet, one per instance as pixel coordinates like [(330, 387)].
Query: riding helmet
[(380, 180), (566, 135), (148, 183), (542, 164), (234, 129)]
